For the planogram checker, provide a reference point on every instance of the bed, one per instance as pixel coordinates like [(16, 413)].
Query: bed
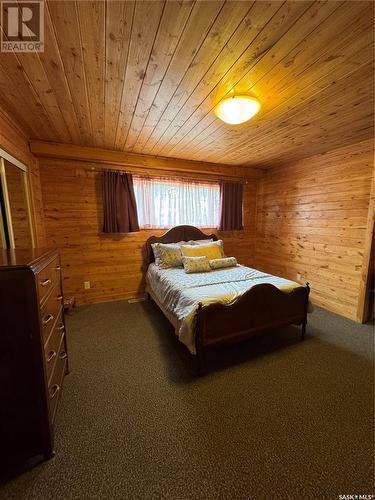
[(223, 306)]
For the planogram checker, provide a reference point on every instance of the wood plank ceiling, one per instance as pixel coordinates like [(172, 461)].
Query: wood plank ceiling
[(145, 76)]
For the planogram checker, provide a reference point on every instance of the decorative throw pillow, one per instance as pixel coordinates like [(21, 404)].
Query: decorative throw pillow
[(212, 250), (224, 262), (196, 264), (200, 242), (167, 254)]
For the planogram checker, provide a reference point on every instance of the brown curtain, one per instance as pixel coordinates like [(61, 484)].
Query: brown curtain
[(230, 206), (120, 209)]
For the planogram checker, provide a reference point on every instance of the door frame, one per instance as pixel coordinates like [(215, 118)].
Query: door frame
[(363, 296), (26, 186)]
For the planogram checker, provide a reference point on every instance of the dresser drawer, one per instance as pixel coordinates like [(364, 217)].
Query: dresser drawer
[(52, 345), (50, 311), (47, 278), (55, 385)]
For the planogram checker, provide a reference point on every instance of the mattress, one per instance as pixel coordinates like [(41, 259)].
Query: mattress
[(180, 293)]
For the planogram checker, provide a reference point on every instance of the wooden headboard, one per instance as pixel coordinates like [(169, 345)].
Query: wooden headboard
[(177, 233)]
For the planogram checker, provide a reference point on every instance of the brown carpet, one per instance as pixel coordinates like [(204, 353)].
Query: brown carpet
[(275, 418)]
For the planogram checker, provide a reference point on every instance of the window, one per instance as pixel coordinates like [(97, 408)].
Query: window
[(164, 203)]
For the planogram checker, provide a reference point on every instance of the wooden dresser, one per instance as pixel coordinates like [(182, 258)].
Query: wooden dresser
[(33, 354)]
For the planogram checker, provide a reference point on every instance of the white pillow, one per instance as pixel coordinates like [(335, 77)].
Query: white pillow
[(200, 242)]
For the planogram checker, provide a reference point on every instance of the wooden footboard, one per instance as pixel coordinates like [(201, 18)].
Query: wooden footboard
[(263, 307)]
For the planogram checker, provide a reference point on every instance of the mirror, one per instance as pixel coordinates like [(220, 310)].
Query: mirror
[(16, 226)]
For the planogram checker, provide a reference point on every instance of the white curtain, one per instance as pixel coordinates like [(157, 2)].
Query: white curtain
[(166, 202)]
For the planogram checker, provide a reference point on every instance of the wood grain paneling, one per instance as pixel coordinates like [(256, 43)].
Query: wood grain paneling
[(314, 218), (13, 140), (37, 206), (113, 265), (144, 77)]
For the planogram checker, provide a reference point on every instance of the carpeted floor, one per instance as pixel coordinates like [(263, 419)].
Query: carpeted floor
[(275, 418)]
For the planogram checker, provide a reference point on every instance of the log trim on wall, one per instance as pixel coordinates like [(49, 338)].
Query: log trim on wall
[(139, 161)]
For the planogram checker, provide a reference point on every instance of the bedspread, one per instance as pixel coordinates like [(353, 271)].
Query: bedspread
[(181, 293)]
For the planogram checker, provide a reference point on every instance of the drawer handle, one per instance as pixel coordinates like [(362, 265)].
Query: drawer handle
[(59, 297), (58, 268), (61, 327), (45, 282), (47, 319), (54, 390), (51, 355), (63, 355)]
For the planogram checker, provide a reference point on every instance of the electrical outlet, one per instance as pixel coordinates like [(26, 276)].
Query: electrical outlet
[(299, 276), (86, 285)]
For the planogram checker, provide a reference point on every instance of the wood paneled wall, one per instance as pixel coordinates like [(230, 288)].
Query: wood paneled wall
[(37, 206), (313, 218), (14, 141), (113, 265)]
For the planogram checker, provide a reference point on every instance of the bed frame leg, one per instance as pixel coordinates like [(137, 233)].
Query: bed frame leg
[(198, 342), (198, 364), (304, 323)]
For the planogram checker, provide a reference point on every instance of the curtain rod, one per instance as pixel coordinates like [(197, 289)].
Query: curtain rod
[(213, 177)]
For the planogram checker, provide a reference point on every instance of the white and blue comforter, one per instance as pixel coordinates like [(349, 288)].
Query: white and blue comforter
[(181, 293)]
